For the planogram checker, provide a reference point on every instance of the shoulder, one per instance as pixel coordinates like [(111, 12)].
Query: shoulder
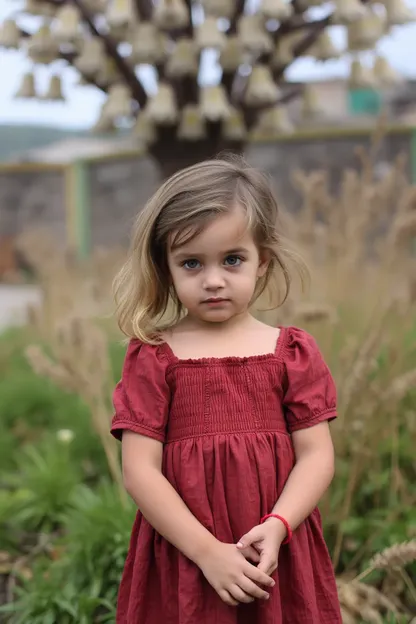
[(301, 353), (141, 358), (141, 398), (310, 392), (296, 340)]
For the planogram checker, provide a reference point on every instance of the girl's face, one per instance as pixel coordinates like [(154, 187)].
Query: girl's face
[(215, 274)]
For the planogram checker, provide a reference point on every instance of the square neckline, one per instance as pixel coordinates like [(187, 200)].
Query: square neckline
[(233, 359)]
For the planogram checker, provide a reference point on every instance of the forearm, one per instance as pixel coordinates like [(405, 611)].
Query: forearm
[(164, 509), (308, 481)]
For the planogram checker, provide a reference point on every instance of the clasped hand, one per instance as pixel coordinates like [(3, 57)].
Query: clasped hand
[(228, 567)]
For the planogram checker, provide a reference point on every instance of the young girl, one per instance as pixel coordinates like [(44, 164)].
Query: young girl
[(223, 420)]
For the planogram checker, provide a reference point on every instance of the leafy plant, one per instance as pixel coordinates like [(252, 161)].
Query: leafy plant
[(48, 597), (97, 534), (45, 482)]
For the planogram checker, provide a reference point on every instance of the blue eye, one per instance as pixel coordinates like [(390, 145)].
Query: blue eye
[(191, 264), (233, 261)]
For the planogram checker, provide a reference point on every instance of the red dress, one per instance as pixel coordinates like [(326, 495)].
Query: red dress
[(225, 424)]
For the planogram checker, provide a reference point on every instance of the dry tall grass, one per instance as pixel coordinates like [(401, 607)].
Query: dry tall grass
[(360, 244)]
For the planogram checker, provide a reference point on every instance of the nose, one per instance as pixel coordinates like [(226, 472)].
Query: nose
[(213, 279)]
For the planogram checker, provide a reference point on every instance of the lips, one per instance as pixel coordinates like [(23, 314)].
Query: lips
[(215, 300)]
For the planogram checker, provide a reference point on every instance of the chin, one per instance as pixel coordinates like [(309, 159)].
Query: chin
[(217, 316)]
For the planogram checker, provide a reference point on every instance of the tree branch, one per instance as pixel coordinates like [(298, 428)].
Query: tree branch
[(145, 8), (290, 94), (294, 23), (316, 29), (190, 30), (227, 79), (239, 8), (297, 23), (123, 67), (69, 58), (311, 37)]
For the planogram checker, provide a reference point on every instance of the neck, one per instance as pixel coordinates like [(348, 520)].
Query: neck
[(237, 321)]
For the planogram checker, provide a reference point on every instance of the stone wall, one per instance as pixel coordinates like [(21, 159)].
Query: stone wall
[(118, 188), (334, 155), (30, 199)]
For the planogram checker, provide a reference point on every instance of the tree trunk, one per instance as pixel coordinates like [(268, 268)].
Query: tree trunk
[(173, 154)]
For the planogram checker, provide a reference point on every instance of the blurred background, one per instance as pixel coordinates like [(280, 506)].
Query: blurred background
[(100, 100)]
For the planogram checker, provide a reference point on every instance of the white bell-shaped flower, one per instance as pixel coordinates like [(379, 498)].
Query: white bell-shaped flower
[(283, 53), (261, 88), (162, 108), (108, 73), (214, 103), (104, 124), (37, 7), (208, 35), (183, 61), (92, 57), (234, 127), (219, 8), (144, 129), (398, 13), (311, 105), (121, 13), (27, 89), (271, 123), (119, 102), (361, 77), (9, 35), (96, 6), (364, 34), (276, 9), (67, 24), (348, 11), (253, 35), (41, 47), (54, 90), (384, 72), (324, 48), (171, 14), (231, 56), (192, 125), (148, 45)]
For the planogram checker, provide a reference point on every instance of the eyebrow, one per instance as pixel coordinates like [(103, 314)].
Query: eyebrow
[(183, 255)]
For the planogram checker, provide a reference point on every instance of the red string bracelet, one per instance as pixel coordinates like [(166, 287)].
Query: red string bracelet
[(284, 522)]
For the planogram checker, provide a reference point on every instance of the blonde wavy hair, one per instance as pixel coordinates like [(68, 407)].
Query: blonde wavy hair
[(181, 208)]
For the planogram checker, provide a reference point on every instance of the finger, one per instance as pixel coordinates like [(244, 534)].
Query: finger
[(240, 595), (258, 576), (251, 554), (267, 565), (248, 539), (253, 590), (227, 598)]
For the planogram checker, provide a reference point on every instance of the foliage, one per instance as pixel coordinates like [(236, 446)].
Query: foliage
[(64, 518), (249, 46)]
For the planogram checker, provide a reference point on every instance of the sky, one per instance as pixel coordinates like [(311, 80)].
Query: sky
[(81, 108)]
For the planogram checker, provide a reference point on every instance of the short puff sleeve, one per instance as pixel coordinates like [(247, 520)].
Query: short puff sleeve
[(310, 393), (142, 396)]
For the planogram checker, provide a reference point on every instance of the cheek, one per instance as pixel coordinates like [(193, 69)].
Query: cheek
[(246, 280), (182, 282)]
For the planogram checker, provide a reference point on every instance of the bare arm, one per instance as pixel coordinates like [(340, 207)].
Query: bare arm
[(307, 482), (311, 475), (157, 500)]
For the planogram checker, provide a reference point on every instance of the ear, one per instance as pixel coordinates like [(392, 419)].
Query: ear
[(264, 261)]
